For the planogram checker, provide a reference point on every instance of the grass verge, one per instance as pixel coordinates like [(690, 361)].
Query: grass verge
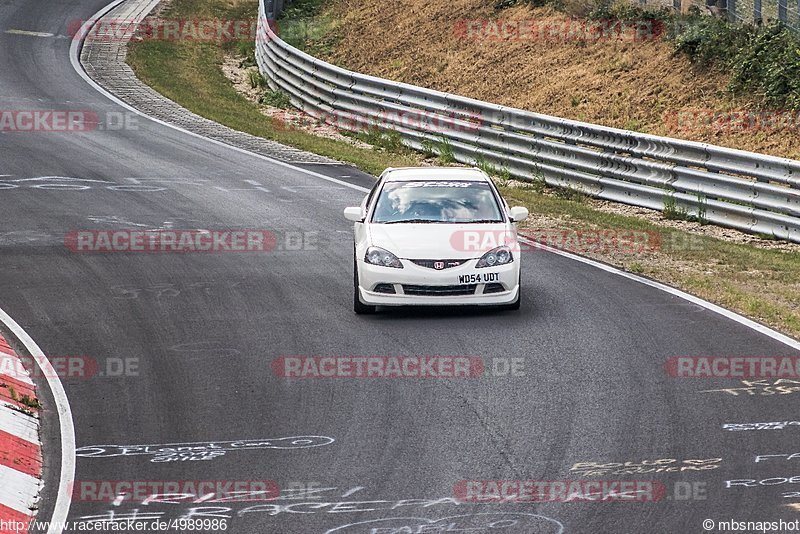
[(759, 282)]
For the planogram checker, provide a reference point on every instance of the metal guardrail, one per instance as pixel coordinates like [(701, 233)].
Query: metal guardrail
[(743, 190)]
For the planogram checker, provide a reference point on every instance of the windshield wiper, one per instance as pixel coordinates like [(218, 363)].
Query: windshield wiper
[(478, 221), (414, 221)]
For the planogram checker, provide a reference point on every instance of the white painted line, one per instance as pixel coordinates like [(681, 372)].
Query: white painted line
[(18, 424), (66, 426), (11, 366), (57, 179), (31, 34), (19, 490), (733, 316), (74, 56)]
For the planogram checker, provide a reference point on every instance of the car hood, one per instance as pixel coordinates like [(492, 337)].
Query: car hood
[(440, 241)]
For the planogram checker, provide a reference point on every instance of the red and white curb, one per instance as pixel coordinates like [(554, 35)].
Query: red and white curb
[(20, 448)]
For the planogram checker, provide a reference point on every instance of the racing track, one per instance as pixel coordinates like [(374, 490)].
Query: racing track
[(205, 328)]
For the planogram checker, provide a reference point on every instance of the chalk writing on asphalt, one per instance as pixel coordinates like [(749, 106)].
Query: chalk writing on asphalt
[(477, 523), (772, 425), (204, 450), (662, 465), (781, 386), (294, 503)]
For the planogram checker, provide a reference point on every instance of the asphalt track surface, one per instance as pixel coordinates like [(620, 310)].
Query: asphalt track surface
[(204, 329)]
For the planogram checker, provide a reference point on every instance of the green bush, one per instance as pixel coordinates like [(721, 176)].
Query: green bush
[(428, 148), (674, 212), (388, 140), (626, 11), (247, 50), (302, 9), (708, 40), (256, 79), (764, 61), (485, 166), (769, 64), (445, 150)]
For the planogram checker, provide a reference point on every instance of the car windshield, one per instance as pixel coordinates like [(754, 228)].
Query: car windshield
[(437, 202)]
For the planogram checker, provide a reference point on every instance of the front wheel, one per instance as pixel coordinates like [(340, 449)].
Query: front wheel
[(359, 307)]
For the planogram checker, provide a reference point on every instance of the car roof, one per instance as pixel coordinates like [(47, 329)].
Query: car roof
[(434, 173)]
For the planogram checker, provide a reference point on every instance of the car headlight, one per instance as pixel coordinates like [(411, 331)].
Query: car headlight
[(382, 257), (496, 256)]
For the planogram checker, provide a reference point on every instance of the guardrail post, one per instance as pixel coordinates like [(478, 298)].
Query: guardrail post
[(676, 5), (757, 11), (731, 10), (782, 10)]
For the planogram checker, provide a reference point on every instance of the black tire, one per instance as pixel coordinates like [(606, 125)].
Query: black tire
[(359, 307)]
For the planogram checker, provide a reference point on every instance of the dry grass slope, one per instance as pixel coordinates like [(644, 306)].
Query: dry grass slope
[(625, 85)]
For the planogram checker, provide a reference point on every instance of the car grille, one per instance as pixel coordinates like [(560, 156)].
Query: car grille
[(440, 291), (445, 264)]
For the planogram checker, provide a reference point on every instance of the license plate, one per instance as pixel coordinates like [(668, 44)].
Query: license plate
[(480, 278)]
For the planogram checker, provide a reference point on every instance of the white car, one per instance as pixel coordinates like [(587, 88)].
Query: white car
[(435, 236)]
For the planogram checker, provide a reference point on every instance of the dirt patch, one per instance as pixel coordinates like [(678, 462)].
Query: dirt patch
[(641, 86)]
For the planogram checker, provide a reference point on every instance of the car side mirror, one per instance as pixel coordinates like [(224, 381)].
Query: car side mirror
[(518, 213), (354, 214)]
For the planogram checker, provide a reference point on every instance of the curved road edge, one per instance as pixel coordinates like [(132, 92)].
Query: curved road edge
[(66, 427)]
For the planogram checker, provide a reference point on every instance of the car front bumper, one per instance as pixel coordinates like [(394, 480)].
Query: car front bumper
[(415, 285)]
